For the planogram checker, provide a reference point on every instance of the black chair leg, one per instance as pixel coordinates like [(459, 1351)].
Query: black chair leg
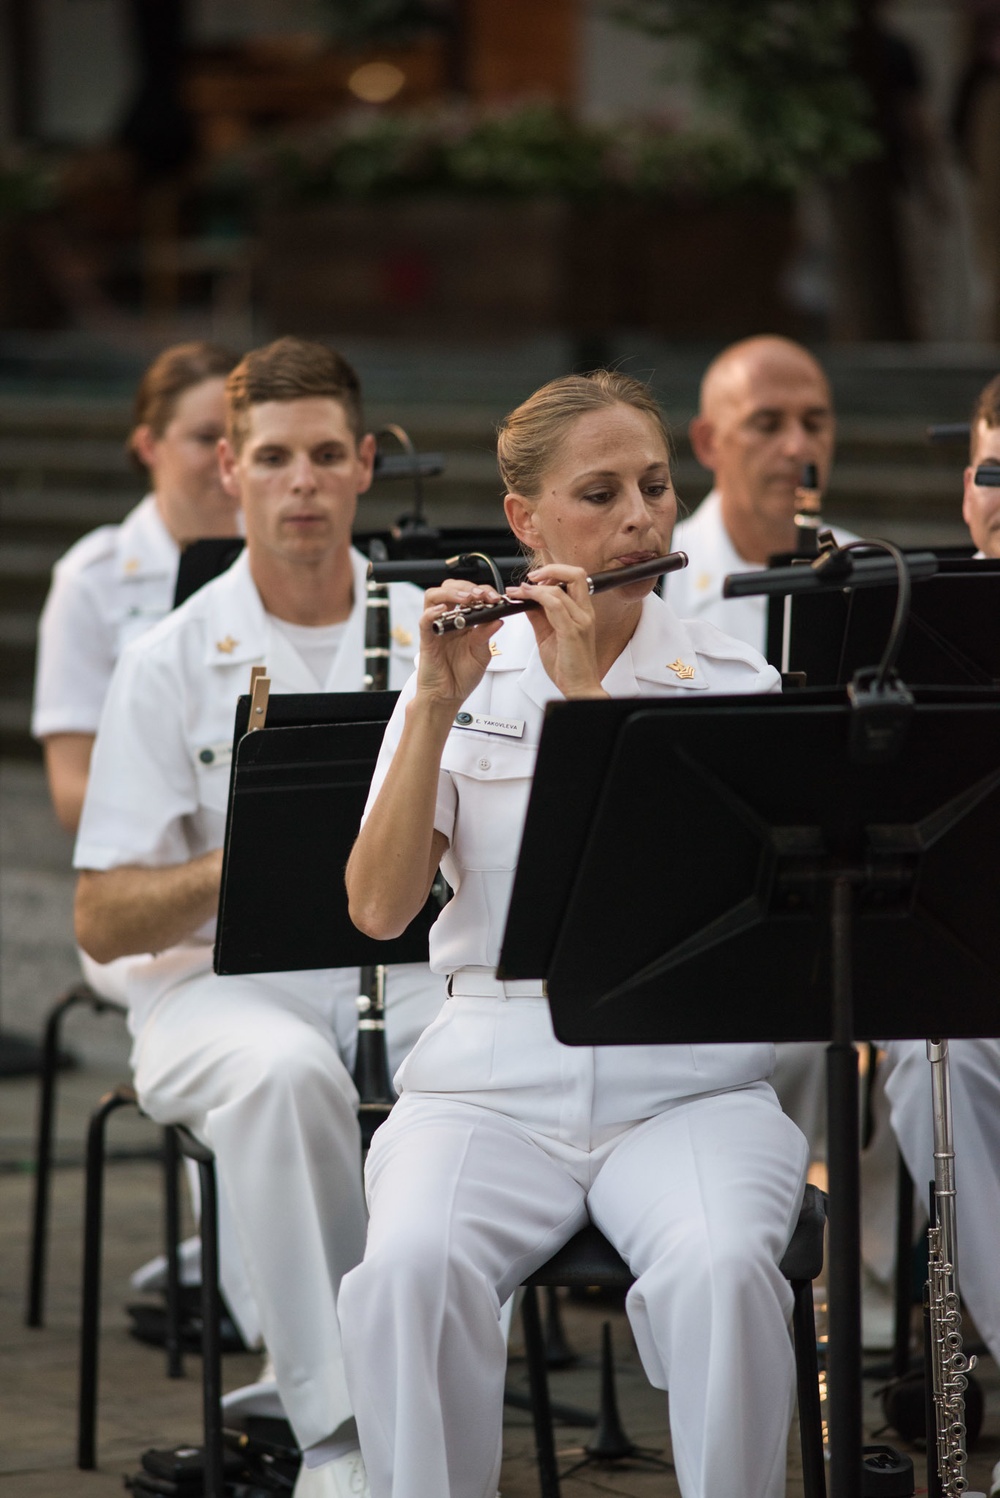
[(807, 1388), (86, 1447), (211, 1346), (81, 994), (903, 1287), (538, 1383), (172, 1233)]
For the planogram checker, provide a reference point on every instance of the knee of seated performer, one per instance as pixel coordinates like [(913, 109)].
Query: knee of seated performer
[(713, 1267), (297, 1067), (417, 1262)]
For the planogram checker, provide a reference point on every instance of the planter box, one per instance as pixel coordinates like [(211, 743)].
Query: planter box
[(454, 267)]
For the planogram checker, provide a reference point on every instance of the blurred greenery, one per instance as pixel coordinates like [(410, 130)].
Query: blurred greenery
[(385, 22), (27, 183), (781, 71), (533, 149)]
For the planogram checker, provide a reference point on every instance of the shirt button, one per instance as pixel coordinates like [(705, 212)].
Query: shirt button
[(484, 764), (206, 756)]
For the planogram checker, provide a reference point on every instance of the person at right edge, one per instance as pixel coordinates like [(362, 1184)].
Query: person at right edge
[(504, 1141)]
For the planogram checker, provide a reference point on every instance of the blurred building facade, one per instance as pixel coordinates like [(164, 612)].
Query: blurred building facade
[(139, 103)]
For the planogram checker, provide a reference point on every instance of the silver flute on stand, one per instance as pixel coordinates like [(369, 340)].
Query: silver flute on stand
[(371, 1060), (943, 1320)]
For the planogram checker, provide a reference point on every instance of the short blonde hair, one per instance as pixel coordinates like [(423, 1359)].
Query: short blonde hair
[(528, 440), (287, 370)]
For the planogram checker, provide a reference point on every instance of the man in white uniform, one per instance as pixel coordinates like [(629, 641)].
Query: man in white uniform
[(765, 412), (975, 1064), (256, 1066)]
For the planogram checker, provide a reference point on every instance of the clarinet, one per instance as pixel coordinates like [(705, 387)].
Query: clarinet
[(949, 1366), (371, 1061), (808, 520)]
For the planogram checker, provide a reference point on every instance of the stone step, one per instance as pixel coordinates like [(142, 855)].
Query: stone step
[(65, 409)]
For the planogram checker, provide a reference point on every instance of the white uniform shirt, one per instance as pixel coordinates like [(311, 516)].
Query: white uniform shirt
[(112, 586), (696, 591), (482, 799), (159, 778)]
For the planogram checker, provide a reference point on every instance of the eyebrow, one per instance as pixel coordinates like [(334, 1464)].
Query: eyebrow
[(782, 411), (613, 473)]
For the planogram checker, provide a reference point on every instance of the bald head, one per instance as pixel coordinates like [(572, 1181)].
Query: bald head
[(765, 412)]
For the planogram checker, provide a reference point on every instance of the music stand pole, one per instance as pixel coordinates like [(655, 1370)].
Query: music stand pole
[(843, 1288)]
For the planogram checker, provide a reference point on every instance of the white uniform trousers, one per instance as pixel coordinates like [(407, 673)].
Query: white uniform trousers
[(110, 980), (975, 1101), (700, 1200), (257, 1067)]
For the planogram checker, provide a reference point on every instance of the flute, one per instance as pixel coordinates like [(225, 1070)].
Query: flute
[(470, 615)]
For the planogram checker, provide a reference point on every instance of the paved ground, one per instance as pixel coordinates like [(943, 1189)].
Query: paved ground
[(140, 1407)]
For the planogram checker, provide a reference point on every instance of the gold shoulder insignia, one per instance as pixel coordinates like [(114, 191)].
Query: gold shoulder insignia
[(226, 646), (682, 671), (402, 636)]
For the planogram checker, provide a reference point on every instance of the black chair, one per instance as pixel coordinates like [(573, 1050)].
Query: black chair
[(588, 1259), (177, 1141), (80, 993)]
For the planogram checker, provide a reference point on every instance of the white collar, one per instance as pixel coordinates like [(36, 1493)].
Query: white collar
[(144, 547), (660, 653), (237, 624)]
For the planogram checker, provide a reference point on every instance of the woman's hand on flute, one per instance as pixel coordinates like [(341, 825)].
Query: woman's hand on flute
[(565, 627), (452, 665)]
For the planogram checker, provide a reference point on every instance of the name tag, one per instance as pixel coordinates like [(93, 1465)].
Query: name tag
[(510, 728)]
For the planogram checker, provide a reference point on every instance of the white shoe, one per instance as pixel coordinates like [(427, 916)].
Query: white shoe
[(151, 1278), (995, 1481), (260, 1398), (878, 1314), (345, 1477)]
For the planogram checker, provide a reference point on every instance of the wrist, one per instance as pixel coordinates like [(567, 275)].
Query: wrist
[(432, 711)]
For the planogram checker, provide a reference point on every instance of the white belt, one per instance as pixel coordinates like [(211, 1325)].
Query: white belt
[(480, 983)]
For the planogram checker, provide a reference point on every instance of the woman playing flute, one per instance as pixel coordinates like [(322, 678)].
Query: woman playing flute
[(505, 1141)]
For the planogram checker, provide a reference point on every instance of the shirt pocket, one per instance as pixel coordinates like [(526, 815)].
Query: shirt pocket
[(492, 778), (212, 763)]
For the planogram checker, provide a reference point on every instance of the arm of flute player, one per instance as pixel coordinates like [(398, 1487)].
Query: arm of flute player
[(398, 850), (131, 909)]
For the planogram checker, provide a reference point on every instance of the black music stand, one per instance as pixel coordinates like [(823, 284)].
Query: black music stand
[(815, 897), (201, 561), (951, 638), (296, 794)]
